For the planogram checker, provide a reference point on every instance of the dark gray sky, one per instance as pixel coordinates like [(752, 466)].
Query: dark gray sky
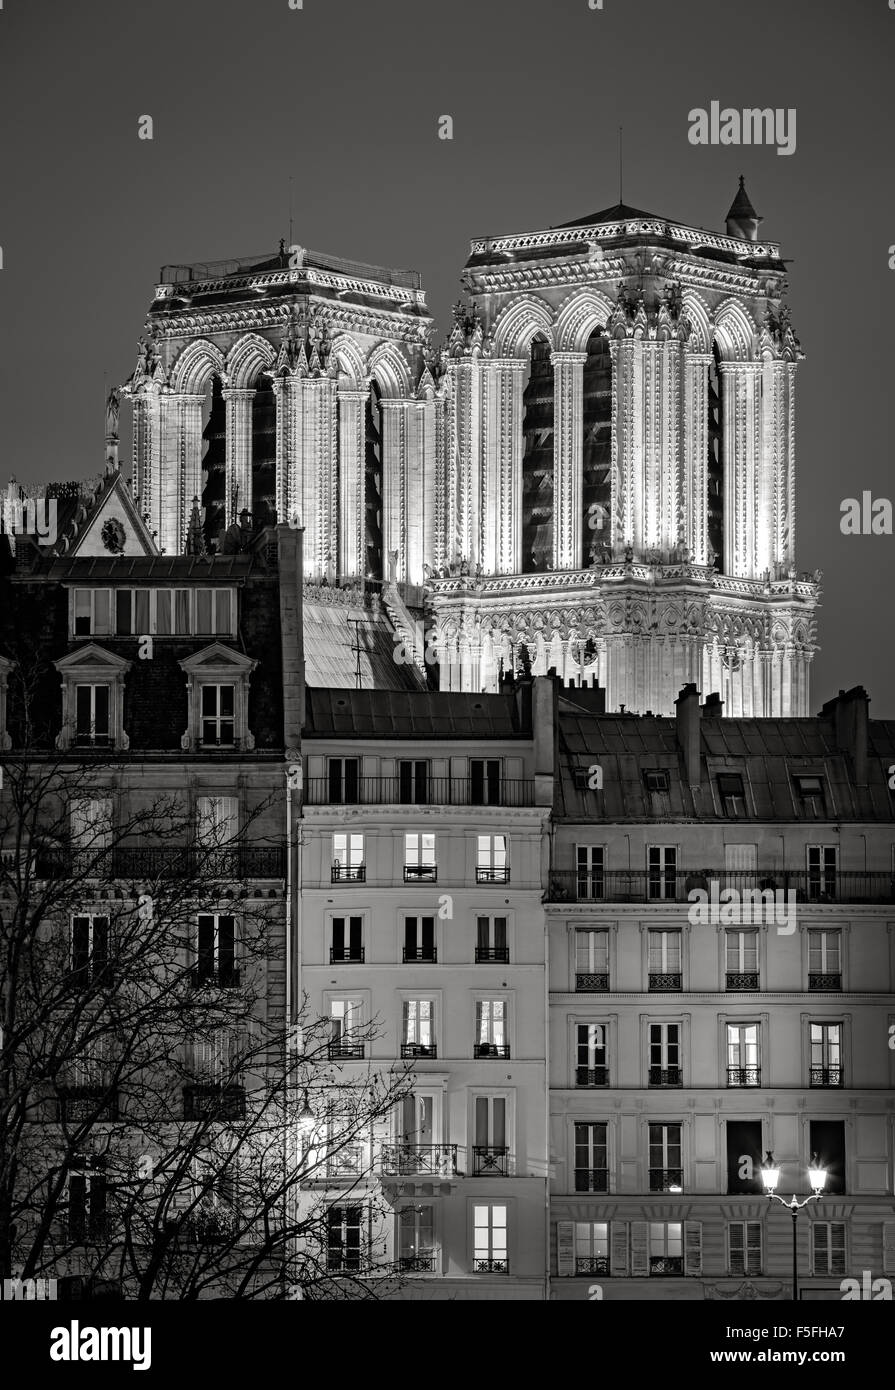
[(344, 96)]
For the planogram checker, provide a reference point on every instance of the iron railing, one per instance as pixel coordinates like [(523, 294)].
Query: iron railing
[(346, 955), (665, 980), (744, 1076), (345, 1051), (666, 1264), (497, 955), (591, 1264), (419, 1050), (348, 873), (591, 981), (490, 1049), (826, 1076), (77, 1104), (416, 1264), (481, 1266), (591, 1179), (436, 791), (492, 875), (742, 979), (665, 1076), (210, 977), (146, 863), (488, 1159), (438, 1159), (661, 885), (413, 955), (420, 873), (664, 1179), (214, 1103), (817, 980), (592, 1076)]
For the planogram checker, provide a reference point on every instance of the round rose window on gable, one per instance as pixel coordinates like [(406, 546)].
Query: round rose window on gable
[(113, 536)]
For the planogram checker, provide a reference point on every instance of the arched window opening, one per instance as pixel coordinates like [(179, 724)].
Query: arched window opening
[(596, 490), (214, 463), (373, 486), (715, 509), (263, 502), (537, 461)]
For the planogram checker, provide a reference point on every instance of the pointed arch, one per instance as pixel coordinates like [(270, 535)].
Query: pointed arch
[(249, 356), (700, 319), (199, 361), (735, 332), (518, 323), (390, 371), (583, 311), (350, 360)]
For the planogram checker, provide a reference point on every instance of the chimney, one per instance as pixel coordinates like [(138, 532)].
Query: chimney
[(713, 706), (543, 710), (289, 545), (687, 717), (849, 713)]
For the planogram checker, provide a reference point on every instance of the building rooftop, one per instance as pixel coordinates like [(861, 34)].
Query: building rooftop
[(411, 714)]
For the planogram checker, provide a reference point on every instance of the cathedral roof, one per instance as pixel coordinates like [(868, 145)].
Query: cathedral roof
[(620, 212)]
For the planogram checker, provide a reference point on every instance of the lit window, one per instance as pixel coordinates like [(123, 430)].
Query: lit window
[(591, 1161), (590, 870), (826, 1054), (741, 964), (490, 1239), (348, 858), (825, 959), (742, 1055), (591, 960), (666, 1247), (419, 857), (664, 963), (491, 859), (491, 1028)]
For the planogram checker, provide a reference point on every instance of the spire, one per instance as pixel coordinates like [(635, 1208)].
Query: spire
[(743, 220), (195, 540)]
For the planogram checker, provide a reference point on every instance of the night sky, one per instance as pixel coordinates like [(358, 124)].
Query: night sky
[(344, 96)]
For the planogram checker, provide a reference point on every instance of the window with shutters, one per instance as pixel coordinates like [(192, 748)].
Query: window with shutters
[(89, 959), (216, 962), (666, 1247), (744, 1247), (591, 1247), (827, 1248), (88, 1095), (743, 1062), (591, 1062), (345, 1024), (590, 861), (346, 1228), (665, 1054), (810, 796), (418, 1028), (825, 959), (419, 940), (665, 1163), (664, 965), (485, 782), (490, 1151), (215, 1061), (491, 1029), (591, 1158), (826, 1054), (413, 781), (419, 858), (823, 861), (491, 946), (661, 862), (348, 858), (343, 775), (490, 1252), (492, 862), (346, 935), (416, 1239), (591, 960), (87, 1208), (741, 959)]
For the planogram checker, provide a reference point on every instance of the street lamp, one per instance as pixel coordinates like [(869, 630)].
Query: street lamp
[(306, 1118), (770, 1176)]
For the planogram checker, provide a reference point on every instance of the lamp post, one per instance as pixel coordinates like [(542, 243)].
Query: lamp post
[(770, 1176)]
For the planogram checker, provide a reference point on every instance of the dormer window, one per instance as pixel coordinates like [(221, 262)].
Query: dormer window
[(92, 699), (218, 684), (732, 794), (810, 792)]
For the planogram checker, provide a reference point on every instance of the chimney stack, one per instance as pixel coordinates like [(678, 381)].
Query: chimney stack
[(849, 712), (687, 717)]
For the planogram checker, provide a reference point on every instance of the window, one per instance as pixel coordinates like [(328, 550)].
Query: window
[(741, 951), (665, 1054), (419, 858), (348, 858), (810, 796), (90, 950), (665, 1171), (418, 1028), (744, 1245), (742, 1055), (657, 783), (347, 938), (417, 1120), (740, 866), (217, 821), (344, 781), (216, 1062), (591, 1161), (490, 1028), (419, 940), (666, 1247), (216, 950), (213, 612), (92, 613), (591, 1247), (822, 863), (484, 781), (490, 1153), (344, 1017), (491, 864), (491, 941), (165, 612), (732, 795), (343, 1244), (591, 1068), (490, 1238), (826, 1054), (590, 871), (825, 959), (132, 612), (413, 782), (662, 875), (827, 1140), (92, 726), (664, 966), (347, 1155), (218, 715), (416, 1239), (828, 1248), (90, 823), (172, 613), (89, 1096), (591, 960), (744, 1155), (87, 1216)]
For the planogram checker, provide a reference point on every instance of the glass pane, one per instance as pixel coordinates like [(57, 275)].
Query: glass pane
[(203, 611), (227, 698), (163, 612), (222, 622), (182, 625), (102, 612), (141, 610)]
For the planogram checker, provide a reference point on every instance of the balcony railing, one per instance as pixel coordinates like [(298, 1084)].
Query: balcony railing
[(744, 1076), (492, 955), (492, 875), (215, 977), (824, 981), (489, 1160), (420, 873), (665, 1076), (591, 981), (438, 1159), (481, 1266), (437, 791), (742, 979), (349, 873), (77, 1104), (666, 1179), (346, 955), (666, 1264), (345, 1051), (419, 1050), (592, 1264), (643, 886), (143, 863), (826, 1076), (417, 1264), (591, 1179), (490, 1049), (214, 1103), (413, 955), (665, 980), (592, 1076)]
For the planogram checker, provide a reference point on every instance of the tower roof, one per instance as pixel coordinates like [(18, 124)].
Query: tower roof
[(619, 212), (742, 220), (742, 203)]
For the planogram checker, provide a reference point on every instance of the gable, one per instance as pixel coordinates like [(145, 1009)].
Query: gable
[(114, 511)]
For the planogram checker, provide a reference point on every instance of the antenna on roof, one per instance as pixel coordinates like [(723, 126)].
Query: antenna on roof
[(290, 209), (358, 678), (620, 164)]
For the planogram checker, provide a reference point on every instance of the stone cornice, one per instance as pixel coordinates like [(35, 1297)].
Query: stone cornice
[(233, 320)]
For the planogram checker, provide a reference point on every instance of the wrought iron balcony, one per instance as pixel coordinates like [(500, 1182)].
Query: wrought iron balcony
[(434, 791), (666, 1264), (207, 1228), (592, 981), (481, 1266), (419, 1050), (414, 955), (77, 1104), (592, 1076), (645, 886), (348, 873), (417, 1264), (215, 977), (665, 981), (346, 955), (589, 886), (492, 955), (345, 1051), (826, 1076), (824, 981), (591, 1179), (211, 1102), (420, 873), (490, 1160), (147, 863), (490, 1049), (665, 1076), (666, 1179), (744, 1076), (492, 875), (742, 979), (591, 1264), (438, 1159)]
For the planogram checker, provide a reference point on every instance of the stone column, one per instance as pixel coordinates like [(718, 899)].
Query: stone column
[(288, 395), (695, 454), (742, 448), (395, 442), (238, 492), (502, 491), (149, 451), (626, 447), (568, 441), (351, 484)]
